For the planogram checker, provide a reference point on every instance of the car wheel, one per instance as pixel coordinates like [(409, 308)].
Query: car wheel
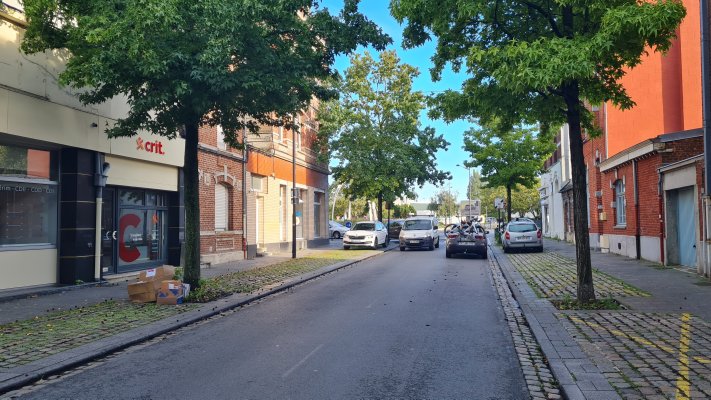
[(437, 245), (540, 249), (346, 247), (447, 254), (375, 243), (431, 246), (485, 255), (506, 249), (402, 248), (336, 235)]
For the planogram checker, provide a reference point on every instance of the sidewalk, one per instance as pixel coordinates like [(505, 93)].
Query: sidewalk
[(102, 320), (657, 347)]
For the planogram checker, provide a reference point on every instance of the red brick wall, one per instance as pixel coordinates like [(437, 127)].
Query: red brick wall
[(595, 180), (212, 168)]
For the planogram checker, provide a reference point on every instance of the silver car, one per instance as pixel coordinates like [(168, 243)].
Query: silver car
[(522, 234)]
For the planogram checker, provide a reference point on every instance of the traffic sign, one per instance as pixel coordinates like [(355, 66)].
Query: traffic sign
[(348, 224)]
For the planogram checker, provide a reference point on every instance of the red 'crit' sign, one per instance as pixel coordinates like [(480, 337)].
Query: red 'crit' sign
[(150, 147)]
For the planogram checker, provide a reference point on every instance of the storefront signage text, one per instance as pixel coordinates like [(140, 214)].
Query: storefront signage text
[(150, 147), (31, 189)]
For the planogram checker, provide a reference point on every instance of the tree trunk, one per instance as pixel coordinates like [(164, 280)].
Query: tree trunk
[(586, 291), (380, 206), (191, 273), (508, 201)]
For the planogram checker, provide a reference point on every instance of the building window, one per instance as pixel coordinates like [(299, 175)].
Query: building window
[(620, 203), (28, 197), (257, 183), (221, 138), (222, 206), (279, 134), (317, 214)]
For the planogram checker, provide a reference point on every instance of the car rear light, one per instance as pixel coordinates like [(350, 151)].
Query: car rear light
[(478, 237), (452, 235), (539, 233), (507, 236)]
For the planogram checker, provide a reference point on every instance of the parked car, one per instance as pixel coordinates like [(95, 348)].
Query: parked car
[(462, 239), (394, 228), (336, 230), (366, 233), (419, 232), (522, 234)]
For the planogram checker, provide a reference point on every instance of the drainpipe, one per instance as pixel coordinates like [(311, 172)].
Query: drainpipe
[(100, 176), (706, 85), (638, 229), (660, 191), (245, 157)]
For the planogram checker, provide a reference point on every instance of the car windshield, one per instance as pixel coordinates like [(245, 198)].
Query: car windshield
[(522, 227), (417, 225), (364, 226)]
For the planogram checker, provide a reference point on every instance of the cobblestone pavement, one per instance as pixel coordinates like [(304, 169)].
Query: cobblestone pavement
[(539, 379), (646, 355), (553, 276), (22, 342)]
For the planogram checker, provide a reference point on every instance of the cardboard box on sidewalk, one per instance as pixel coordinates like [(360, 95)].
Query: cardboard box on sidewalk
[(141, 292), (157, 275), (171, 292)]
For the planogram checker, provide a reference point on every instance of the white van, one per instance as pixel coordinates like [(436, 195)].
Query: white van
[(419, 232)]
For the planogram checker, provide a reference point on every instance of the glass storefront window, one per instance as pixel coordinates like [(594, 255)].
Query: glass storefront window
[(142, 236), (28, 197), (25, 163), (132, 197), (28, 214)]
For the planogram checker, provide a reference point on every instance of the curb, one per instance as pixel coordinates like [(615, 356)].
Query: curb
[(578, 377), (27, 374)]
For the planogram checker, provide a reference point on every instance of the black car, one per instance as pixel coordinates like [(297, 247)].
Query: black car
[(464, 239), (394, 228)]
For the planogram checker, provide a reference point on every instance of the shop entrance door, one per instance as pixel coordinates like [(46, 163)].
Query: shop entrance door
[(108, 232)]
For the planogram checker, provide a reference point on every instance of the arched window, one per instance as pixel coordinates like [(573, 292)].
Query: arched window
[(222, 207), (620, 203)]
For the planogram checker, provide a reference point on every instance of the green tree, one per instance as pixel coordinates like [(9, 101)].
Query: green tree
[(374, 134), (474, 186), (527, 200), (540, 61), (447, 203), (180, 65), (403, 210), (507, 158)]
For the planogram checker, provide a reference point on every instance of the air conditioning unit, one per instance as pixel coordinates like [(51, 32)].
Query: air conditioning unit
[(602, 216)]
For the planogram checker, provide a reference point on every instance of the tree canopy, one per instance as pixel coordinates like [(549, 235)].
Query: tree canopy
[(540, 61), (180, 65), (508, 158), (374, 134)]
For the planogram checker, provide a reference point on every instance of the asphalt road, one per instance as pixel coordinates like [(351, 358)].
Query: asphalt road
[(405, 325)]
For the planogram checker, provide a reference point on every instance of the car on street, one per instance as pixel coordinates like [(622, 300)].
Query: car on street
[(419, 232), (464, 239), (394, 228), (366, 234), (522, 234), (336, 230)]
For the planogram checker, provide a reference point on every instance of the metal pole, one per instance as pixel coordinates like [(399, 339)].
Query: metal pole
[(706, 79), (294, 198), (335, 197), (469, 194), (245, 159)]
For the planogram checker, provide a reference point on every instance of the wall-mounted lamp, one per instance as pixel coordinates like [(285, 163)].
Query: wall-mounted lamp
[(94, 125)]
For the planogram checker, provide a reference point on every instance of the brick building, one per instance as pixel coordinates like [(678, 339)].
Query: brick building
[(644, 172), (246, 206), (221, 173)]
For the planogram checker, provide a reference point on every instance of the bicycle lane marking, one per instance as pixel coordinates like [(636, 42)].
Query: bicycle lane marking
[(682, 381)]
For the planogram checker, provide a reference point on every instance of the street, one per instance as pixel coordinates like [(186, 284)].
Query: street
[(405, 325)]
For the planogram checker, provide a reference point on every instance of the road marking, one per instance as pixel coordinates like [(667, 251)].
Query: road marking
[(300, 363), (682, 381)]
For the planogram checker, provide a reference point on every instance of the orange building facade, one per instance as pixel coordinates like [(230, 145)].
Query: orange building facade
[(645, 171)]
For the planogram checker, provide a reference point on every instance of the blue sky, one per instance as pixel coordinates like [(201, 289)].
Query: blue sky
[(377, 11)]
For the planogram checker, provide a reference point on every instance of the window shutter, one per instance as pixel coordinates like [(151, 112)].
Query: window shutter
[(221, 207)]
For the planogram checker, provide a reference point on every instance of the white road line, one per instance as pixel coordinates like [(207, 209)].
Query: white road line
[(303, 360)]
